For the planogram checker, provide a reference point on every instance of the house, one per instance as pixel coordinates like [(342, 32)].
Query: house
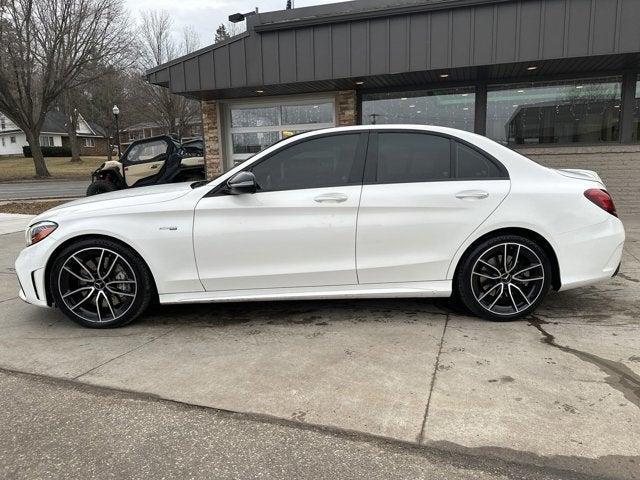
[(569, 69), (54, 134)]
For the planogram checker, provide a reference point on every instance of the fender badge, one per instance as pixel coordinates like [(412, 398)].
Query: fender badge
[(168, 228)]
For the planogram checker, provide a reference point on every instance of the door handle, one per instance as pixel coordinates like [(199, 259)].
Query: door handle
[(331, 197), (155, 165), (472, 194)]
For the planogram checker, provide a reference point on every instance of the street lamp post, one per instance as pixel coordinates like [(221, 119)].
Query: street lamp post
[(116, 112)]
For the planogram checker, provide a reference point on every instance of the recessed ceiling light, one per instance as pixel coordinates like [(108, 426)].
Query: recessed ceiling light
[(360, 83), (514, 106), (579, 86), (520, 91), (412, 106), (259, 91), (419, 111), (465, 108), (616, 106), (444, 75), (403, 98), (532, 67), (465, 94)]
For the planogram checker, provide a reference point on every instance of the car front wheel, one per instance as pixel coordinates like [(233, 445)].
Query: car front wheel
[(504, 278), (100, 283)]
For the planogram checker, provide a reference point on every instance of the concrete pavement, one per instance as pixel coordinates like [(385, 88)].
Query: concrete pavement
[(13, 223), (43, 189), (559, 390), (59, 430)]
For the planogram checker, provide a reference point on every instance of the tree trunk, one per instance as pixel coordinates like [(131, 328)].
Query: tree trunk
[(36, 152), (75, 147)]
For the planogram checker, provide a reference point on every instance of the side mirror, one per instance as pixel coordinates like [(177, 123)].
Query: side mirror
[(242, 182)]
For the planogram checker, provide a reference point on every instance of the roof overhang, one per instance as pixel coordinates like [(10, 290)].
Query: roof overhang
[(409, 43)]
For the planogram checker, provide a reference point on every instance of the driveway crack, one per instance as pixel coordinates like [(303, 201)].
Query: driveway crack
[(433, 382), (619, 376), (126, 353)]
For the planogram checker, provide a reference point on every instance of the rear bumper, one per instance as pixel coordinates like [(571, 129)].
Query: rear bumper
[(591, 254)]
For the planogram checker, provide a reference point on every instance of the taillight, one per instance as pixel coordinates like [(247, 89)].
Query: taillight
[(602, 199)]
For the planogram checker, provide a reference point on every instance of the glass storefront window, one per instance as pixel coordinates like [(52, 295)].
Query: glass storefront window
[(577, 111), (305, 114), (255, 127), (254, 117), (445, 108), (636, 115)]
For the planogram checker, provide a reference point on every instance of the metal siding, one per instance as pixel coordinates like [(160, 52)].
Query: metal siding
[(287, 55), (439, 44), (304, 54), (322, 52), (483, 36), (553, 30), (379, 46), (506, 35), (529, 35), (579, 18), (418, 41), (461, 39), (270, 58), (604, 26), (399, 44), (177, 78), (238, 67), (207, 74), (192, 75), (221, 67), (359, 42), (341, 49), (253, 55), (629, 34)]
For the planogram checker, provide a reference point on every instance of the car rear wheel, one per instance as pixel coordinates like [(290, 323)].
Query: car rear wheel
[(504, 278), (100, 283)]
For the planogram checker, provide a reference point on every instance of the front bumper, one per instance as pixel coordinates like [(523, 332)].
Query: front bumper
[(30, 269)]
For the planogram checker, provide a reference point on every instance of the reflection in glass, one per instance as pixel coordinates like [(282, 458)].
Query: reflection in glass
[(304, 114), (254, 117), (559, 112), (253, 142), (447, 108)]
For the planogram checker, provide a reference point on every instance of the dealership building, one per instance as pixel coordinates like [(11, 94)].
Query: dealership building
[(557, 80)]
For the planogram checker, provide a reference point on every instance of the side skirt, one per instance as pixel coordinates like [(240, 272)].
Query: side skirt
[(379, 290)]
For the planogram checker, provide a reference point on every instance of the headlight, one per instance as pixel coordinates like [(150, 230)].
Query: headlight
[(39, 231)]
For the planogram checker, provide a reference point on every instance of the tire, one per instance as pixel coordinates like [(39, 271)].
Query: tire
[(498, 292), (100, 283), (100, 186)]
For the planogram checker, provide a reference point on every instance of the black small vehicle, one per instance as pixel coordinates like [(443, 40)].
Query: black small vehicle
[(151, 161)]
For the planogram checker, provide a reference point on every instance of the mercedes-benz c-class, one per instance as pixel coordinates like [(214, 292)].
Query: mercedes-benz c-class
[(368, 211)]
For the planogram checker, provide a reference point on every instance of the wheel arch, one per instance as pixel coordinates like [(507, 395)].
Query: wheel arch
[(69, 241), (532, 235)]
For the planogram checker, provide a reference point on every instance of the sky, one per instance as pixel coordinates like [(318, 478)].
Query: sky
[(206, 15)]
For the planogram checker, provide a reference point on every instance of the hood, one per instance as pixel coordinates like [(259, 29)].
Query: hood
[(120, 198)]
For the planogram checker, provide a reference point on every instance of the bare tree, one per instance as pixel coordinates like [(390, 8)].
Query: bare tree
[(158, 45), (48, 47)]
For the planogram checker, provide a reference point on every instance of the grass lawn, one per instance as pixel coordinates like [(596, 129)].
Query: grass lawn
[(19, 168), (29, 208)]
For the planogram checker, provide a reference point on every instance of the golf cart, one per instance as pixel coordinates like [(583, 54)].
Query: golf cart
[(150, 161)]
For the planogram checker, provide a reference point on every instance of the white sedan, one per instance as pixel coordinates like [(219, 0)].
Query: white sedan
[(375, 211)]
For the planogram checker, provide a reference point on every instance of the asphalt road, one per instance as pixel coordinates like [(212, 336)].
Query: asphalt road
[(52, 429), (43, 189)]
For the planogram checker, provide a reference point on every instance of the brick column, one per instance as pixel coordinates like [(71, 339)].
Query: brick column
[(347, 108), (212, 137)]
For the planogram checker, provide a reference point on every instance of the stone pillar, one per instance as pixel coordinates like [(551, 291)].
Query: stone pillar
[(214, 165), (347, 108)]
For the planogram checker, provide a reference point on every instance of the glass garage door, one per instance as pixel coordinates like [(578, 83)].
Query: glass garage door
[(253, 127)]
